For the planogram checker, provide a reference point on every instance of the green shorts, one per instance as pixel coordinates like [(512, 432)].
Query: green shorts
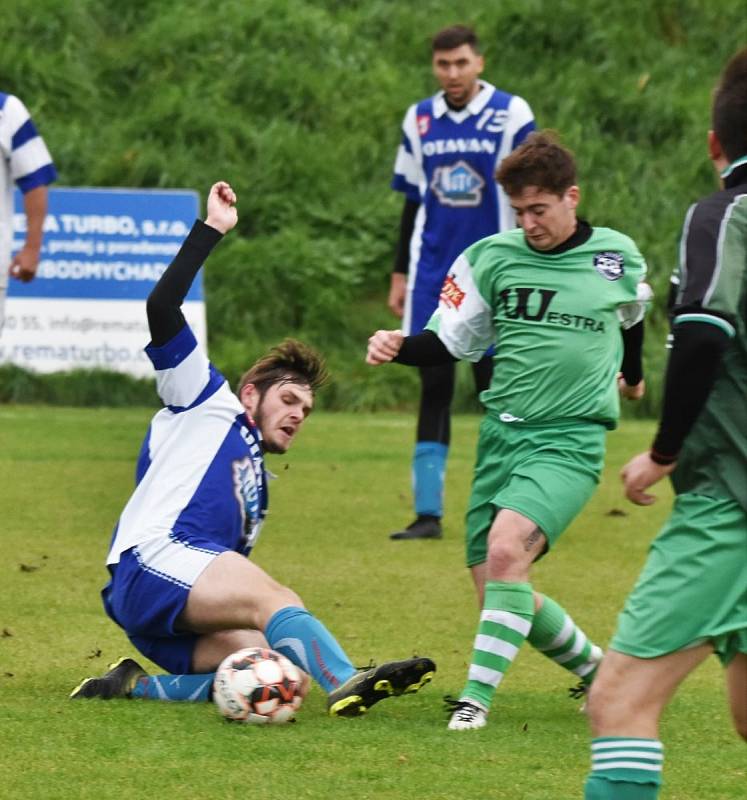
[(547, 473), (693, 587)]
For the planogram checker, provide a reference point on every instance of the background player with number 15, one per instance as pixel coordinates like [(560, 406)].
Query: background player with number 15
[(451, 145)]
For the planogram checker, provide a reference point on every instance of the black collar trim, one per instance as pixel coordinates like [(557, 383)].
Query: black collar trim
[(736, 177), (580, 236)]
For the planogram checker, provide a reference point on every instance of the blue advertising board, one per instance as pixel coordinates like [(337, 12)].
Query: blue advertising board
[(103, 251)]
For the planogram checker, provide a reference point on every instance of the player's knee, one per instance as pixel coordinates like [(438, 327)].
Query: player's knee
[(284, 597), (506, 558), (294, 599), (502, 557), (272, 601)]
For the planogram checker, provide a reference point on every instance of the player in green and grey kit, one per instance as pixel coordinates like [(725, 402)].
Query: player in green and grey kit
[(553, 296), (691, 598)]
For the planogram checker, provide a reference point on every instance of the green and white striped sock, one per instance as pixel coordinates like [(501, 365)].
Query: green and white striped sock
[(505, 621), (624, 769), (558, 637)]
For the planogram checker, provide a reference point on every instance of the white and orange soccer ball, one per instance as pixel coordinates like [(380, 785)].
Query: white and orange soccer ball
[(256, 685)]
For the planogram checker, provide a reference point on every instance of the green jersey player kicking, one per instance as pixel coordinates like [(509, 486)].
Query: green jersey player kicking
[(554, 295)]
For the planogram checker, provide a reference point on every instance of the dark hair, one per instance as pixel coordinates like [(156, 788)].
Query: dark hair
[(288, 362), (453, 37), (730, 107), (539, 161)]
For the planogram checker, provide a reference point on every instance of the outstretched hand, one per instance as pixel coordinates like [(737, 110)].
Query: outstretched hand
[(640, 473), (221, 207), (383, 346)]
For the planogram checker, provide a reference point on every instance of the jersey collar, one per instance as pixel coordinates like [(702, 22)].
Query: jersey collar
[(475, 105), (580, 236), (735, 173), (253, 428)]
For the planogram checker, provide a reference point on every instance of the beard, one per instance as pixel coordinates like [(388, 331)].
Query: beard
[(268, 445), (273, 447)]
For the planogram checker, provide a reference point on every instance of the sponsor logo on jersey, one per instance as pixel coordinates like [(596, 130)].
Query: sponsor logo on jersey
[(246, 473), (451, 294), (424, 124), (457, 185), (532, 305), (520, 299), (504, 416), (439, 147), (609, 264)]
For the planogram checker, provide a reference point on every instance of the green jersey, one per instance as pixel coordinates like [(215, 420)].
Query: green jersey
[(555, 320), (712, 290)]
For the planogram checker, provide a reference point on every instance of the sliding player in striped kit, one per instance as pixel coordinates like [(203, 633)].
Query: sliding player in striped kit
[(181, 586), (553, 296), (445, 167)]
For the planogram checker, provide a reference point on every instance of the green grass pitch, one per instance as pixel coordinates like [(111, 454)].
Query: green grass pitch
[(66, 473)]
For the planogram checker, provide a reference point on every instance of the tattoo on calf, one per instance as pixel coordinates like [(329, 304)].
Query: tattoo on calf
[(531, 540)]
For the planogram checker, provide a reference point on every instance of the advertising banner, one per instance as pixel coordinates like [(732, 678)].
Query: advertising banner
[(103, 251)]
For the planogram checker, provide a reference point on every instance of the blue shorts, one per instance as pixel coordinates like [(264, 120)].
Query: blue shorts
[(148, 591)]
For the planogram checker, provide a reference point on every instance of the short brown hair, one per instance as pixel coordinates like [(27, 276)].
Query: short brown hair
[(288, 362), (453, 37), (730, 107), (539, 161)]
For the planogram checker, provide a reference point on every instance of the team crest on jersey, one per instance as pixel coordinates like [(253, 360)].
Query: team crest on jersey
[(609, 264), (424, 124), (451, 294), (247, 493), (458, 185)]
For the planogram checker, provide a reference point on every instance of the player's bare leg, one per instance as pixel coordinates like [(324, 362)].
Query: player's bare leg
[(479, 572), (625, 704), (630, 693), (736, 682), (514, 543), (234, 593), (212, 648), (506, 619)]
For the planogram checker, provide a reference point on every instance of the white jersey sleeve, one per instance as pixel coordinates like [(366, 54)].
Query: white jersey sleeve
[(463, 320), (520, 121), (183, 370), (631, 314), (23, 148), (409, 176)]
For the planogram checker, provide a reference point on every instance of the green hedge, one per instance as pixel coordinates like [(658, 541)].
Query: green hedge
[(299, 103)]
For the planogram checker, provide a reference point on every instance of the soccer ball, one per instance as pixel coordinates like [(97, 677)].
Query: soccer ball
[(257, 685)]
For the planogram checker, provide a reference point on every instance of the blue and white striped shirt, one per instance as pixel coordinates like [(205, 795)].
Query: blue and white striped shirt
[(446, 161), (25, 162), (201, 470)]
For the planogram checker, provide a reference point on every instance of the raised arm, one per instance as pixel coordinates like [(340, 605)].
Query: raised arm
[(165, 318)]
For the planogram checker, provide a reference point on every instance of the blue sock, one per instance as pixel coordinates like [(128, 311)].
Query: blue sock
[(299, 636), (428, 469), (185, 688)]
